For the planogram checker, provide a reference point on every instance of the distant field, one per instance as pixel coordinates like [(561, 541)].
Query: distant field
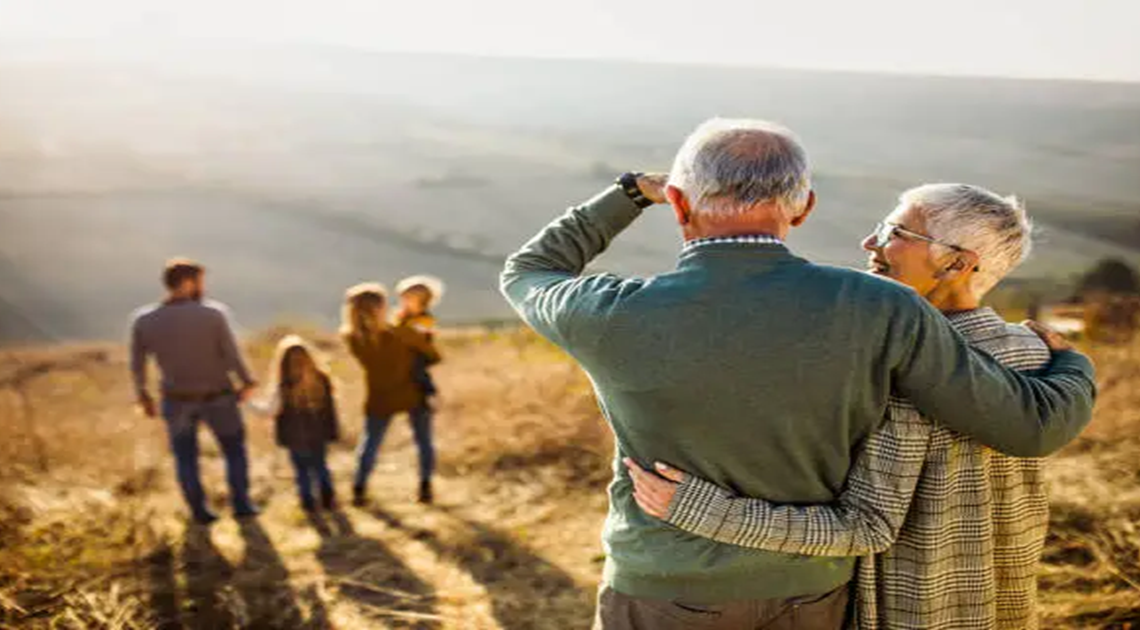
[(297, 172)]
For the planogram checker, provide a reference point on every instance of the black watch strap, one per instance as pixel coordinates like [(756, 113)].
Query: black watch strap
[(628, 183)]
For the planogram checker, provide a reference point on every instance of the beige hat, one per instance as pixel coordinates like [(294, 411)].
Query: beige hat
[(431, 283)]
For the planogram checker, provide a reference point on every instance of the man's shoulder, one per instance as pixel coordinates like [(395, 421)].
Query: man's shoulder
[(859, 287), (215, 306), (205, 304), (848, 274), (143, 312), (211, 309), (862, 283), (162, 311)]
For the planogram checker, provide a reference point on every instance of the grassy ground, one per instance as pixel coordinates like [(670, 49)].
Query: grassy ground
[(93, 532)]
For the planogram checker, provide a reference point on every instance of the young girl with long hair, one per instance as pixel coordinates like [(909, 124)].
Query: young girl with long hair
[(305, 417)]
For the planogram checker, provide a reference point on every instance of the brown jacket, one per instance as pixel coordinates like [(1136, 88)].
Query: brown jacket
[(388, 363)]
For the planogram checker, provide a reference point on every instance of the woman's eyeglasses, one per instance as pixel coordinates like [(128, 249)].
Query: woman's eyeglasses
[(884, 232)]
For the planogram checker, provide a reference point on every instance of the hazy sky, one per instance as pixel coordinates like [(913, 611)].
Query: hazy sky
[(1093, 39)]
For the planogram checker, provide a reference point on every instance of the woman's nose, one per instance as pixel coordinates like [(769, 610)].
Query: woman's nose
[(871, 243)]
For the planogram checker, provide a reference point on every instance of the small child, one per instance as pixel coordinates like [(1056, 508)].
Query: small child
[(418, 294), (306, 418)]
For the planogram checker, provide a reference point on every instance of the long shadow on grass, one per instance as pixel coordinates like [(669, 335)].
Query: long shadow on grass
[(207, 575), (256, 594), (365, 571), (163, 588), (263, 583), (527, 591)]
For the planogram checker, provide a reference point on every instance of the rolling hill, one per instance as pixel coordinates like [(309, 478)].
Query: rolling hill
[(293, 172)]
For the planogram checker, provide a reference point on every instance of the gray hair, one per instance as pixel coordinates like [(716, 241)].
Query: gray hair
[(727, 166), (996, 228)]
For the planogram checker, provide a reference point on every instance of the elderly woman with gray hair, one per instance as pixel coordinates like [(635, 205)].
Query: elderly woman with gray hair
[(950, 531)]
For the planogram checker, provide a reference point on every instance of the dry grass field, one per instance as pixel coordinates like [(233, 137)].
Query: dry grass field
[(93, 532)]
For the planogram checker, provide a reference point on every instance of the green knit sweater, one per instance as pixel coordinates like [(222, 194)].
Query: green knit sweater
[(761, 372)]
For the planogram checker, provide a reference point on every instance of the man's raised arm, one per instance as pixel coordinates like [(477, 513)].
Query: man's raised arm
[(968, 391), (543, 280)]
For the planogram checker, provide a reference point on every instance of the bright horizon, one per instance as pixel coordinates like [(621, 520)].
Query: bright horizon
[(1062, 39)]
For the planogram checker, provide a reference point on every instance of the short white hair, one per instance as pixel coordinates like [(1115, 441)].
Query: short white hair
[(727, 166), (996, 228)]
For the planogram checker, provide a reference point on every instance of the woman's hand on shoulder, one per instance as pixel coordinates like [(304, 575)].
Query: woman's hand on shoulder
[(1052, 338)]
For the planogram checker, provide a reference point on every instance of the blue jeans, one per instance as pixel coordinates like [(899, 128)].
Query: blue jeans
[(374, 430), (224, 419), (311, 466)]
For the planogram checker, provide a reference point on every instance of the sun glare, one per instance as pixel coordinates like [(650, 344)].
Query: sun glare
[(1054, 38)]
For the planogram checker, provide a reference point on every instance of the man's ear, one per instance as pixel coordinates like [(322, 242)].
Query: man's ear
[(798, 221), (680, 203)]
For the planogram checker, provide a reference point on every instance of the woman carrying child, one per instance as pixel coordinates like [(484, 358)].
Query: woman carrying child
[(388, 355)]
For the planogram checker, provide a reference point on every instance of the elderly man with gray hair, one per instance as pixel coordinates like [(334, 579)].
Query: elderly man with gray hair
[(758, 371)]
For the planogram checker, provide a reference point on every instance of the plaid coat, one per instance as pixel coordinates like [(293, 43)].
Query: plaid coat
[(950, 531)]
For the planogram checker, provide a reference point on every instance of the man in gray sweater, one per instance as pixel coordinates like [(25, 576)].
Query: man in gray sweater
[(194, 347), (757, 370)]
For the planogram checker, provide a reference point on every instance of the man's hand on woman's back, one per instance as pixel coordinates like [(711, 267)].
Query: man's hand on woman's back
[(1055, 340)]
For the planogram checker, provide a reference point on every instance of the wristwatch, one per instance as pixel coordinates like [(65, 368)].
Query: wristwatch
[(628, 183)]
